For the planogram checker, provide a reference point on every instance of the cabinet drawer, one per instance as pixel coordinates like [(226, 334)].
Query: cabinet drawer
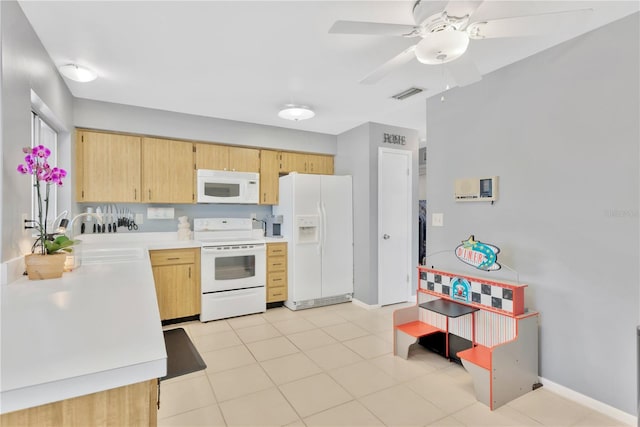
[(173, 257), (276, 249), (276, 263), (277, 279), (275, 294)]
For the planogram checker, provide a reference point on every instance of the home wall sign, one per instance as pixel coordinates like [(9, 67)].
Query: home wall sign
[(482, 256), (390, 138)]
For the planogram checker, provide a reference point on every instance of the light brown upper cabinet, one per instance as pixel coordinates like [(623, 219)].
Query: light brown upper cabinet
[(306, 163), (225, 157), (269, 174), (107, 167), (167, 171)]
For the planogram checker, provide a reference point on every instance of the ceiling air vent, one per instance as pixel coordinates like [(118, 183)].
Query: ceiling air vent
[(407, 93)]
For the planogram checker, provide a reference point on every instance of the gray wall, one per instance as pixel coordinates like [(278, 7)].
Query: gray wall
[(26, 67), (127, 118), (358, 156), (561, 131)]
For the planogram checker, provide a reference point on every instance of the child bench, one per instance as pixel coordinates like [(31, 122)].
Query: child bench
[(407, 329)]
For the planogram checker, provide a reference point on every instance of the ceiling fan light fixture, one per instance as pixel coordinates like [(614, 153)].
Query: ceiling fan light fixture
[(442, 46), (77, 73), (296, 112)]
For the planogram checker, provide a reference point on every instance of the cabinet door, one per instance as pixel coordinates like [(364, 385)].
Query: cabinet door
[(244, 159), (269, 174), (211, 156), (175, 291), (326, 165), (109, 166), (167, 171), (293, 162), (176, 273)]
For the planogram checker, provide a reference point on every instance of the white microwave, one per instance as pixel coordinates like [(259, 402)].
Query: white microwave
[(216, 186)]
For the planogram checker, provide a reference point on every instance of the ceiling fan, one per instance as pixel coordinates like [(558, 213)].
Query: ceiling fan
[(445, 35)]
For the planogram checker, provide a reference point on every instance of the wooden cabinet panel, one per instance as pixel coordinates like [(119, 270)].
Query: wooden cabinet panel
[(292, 162), (276, 272), (211, 156), (244, 159), (306, 163), (130, 405), (109, 167), (269, 174), (276, 249), (225, 157), (176, 273), (167, 171)]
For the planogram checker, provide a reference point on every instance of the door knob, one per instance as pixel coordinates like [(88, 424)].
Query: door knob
[(386, 237)]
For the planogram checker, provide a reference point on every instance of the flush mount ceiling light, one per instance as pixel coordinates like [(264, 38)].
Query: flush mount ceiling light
[(77, 73), (296, 112), (442, 46)]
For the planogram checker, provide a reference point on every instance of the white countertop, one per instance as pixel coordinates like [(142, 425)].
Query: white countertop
[(96, 328)]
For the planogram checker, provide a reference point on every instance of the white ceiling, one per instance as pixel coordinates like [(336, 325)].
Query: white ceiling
[(242, 60)]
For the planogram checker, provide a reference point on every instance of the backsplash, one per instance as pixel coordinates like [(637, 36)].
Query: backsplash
[(190, 211)]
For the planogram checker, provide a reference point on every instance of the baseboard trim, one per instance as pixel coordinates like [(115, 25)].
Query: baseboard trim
[(364, 304), (580, 398)]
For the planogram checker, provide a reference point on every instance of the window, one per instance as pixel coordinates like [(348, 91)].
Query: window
[(42, 133)]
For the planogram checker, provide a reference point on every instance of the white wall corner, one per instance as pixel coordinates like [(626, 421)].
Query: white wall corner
[(594, 404), (11, 270), (364, 304)]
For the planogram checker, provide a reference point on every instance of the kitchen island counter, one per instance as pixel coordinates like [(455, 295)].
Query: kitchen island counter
[(94, 329)]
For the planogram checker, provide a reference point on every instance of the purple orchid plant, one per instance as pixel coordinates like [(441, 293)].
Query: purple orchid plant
[(37, 165)]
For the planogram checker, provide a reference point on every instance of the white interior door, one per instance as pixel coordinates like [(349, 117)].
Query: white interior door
[(394, 225)]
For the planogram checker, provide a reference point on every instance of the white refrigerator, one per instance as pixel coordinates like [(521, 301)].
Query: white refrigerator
[(317, 215)]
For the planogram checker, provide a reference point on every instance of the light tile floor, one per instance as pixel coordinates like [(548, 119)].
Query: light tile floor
[(334, 366)]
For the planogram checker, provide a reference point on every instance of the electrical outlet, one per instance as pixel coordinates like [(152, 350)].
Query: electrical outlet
[(437, 220), (23, 222), (139, 219)]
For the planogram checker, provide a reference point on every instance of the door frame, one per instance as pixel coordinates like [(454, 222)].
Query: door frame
[(408, 218)]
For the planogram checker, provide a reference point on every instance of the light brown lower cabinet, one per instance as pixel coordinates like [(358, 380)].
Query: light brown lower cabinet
[(176, 273), (131, 405), (277, 272)]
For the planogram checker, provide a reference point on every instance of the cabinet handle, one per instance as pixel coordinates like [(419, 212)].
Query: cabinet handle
[(264, 197), (173, 259), (277, 265), (149, 194), (278, 294), (189, 272), (276, 280), (135, 194)]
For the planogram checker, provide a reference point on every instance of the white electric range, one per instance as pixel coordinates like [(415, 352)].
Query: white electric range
[(233, 267)]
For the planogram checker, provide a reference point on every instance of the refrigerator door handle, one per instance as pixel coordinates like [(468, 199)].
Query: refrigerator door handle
[(321, 231), (324, 227)]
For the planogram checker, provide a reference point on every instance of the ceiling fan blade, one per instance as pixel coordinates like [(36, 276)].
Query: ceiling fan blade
[(460, 9), (464, 70), (522, 26), (395, 62), (374, 28)]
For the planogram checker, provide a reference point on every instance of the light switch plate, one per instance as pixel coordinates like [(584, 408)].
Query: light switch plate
[(437, 220), (139, 218)]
